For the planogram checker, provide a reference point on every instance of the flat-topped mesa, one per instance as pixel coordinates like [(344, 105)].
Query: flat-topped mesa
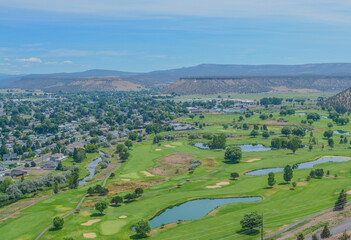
[(257, 84)]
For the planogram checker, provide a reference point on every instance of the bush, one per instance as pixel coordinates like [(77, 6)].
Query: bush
[(142, 227), (58, 222)]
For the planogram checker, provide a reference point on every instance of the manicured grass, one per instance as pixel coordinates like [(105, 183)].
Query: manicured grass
[(281, 205)]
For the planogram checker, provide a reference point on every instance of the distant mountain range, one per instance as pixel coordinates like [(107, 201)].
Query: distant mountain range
[(98, 79)]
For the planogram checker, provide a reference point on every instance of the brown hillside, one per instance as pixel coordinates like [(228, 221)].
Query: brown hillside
[(341, 99), (256, 84)]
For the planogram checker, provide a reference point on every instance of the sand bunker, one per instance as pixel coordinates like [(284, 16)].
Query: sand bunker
[(253, 160), (169, 146), (348, 192), (123, 216), (147, 174), (125, 179), (158, 149), (89, 235), (220, 184), (91, 222)]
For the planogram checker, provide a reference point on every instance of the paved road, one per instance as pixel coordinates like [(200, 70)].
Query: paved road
[(79, 204), (302, 220), (336, 229)]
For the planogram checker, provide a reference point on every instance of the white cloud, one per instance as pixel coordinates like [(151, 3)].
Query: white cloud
[(67, 62), (30, 60), (6, 59), (319, 10)]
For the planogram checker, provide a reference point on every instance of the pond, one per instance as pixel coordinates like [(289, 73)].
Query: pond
[(244, 147), (341, 132), (201, 145), (300, 166), (254, 148), (301, 113), (195, 209), (92, 169)]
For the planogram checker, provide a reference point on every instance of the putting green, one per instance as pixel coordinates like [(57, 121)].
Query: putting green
[(111, 227)]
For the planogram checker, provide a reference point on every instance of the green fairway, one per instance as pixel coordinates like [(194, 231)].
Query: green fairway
[(281, 204)]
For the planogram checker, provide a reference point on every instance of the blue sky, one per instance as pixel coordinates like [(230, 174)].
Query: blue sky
[(40, 36)]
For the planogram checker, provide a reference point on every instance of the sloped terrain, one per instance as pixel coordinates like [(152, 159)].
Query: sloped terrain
[(341, 99), (256, 84)]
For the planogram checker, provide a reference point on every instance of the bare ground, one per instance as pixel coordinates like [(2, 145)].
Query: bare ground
[(174, 164), (118, 187)]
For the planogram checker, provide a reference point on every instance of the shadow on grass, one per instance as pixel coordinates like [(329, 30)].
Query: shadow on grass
[(138, 236), (230, 162), (53, 229), (114, 205), (283, 183), (248, 232), (97, 214)]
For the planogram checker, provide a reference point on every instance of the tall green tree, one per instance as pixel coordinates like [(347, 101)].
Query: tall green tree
[(101, 205), (217, 142), (341, 202), (294, 143), (251, 221), (233, 154), (286, 131), (79, 154), (73, 178), (288, 173), (326, 232), (271, 179)]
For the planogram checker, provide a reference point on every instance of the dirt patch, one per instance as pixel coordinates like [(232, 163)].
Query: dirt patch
[(301, 184), (123, 216), (174, 164), (88, 204), (158, 149), (169, 146), (218, 185), (119, 187), (91, 222), (89, 235), (253, 160), (125, 179), (147, 174), (348, 192), (37, 172), (209, 162)]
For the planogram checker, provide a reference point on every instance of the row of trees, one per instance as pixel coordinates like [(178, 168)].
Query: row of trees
[(10, 190)]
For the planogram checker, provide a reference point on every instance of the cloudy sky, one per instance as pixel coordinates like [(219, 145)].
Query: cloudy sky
[(41, 36)]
